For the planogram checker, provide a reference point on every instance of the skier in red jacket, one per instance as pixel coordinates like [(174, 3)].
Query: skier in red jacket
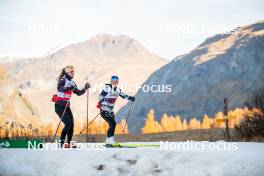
[(65, 87)]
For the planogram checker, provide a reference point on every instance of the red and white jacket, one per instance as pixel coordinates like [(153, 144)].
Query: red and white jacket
[(65, 90)]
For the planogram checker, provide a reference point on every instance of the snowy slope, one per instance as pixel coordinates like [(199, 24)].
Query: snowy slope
[(247, 160)]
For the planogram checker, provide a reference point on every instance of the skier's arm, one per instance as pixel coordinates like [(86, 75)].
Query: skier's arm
[(125, 96), (104, 92), (79, 92)]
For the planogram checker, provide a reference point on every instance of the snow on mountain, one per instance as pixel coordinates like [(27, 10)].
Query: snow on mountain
[(245, 160), (94, 60), (227, 65)]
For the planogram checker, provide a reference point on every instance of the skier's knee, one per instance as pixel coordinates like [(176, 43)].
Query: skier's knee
[(68, 126), (113, 124)]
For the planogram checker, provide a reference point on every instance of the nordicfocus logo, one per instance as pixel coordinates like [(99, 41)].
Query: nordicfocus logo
[(55, 146), (156, 88), (199, 146), (124, 86), (4, 144)]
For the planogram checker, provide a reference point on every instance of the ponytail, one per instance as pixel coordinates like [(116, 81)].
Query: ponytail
[(63, 71), (61, 74)]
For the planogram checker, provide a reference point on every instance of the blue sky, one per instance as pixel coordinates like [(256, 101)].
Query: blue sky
[(165, 27)]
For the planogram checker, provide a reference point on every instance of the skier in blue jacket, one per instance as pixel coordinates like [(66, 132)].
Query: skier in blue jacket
[(107, 100)]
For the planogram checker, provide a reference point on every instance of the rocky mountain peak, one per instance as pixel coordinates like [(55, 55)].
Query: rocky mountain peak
[(227, 65), (221, 43)]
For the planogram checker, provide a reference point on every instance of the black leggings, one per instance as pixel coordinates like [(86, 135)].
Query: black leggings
[(109, 117), (67, 119)]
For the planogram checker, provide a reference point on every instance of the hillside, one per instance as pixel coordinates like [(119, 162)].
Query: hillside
[(95, 60), (226, 65), (13, 106)]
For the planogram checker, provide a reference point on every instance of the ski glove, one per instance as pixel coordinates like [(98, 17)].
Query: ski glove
[(87, 85), (132, 98), (73, 87)]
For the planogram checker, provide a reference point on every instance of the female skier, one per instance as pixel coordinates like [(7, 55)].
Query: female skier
[(65, 87), (106, 104)]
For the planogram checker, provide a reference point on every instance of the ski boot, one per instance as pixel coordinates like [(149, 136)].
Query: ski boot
[(73, 144), (66, 145), (60, 143), (110, 142)]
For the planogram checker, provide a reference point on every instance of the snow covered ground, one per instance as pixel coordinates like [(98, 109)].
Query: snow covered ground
[(243, 159)]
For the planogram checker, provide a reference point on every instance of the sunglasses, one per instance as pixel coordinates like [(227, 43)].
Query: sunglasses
[(72, 71), (114, 82)]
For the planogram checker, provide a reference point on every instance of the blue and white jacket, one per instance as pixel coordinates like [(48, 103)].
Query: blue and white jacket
[(108, 96)]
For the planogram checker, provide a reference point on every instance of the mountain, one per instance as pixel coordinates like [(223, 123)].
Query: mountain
[(94, 60), (13, 106), (226, 65)]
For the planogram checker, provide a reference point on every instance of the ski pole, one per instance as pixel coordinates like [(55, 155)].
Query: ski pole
[(87, 114), (60, 121), (90, 122), (128, 116)]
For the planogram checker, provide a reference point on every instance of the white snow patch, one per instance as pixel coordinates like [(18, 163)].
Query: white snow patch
[(246, 160)]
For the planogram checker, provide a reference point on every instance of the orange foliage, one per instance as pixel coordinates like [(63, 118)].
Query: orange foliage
[(171, 123), (97, 127), (184, 125), (194, 124), (166, 124), (120, 126), (101, 127), (206, 124), (151, 126)]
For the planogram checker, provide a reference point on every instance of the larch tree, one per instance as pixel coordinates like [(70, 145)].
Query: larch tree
[(178, 123), (218, 115), (206, 124), (151, 126), (184, 124), (194, 124), (120, 126), (165, 122)]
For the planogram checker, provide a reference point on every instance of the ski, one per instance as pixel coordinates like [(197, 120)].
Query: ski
[(131, 145), (117, 146), (140, 145)]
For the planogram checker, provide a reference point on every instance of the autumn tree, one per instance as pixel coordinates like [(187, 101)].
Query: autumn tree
[(194, 124), (218, 115), (252, 124), (184, 124), (151, 126), (239, 115), (166, 123), (178, 123), (120, 126), (206, 124)]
